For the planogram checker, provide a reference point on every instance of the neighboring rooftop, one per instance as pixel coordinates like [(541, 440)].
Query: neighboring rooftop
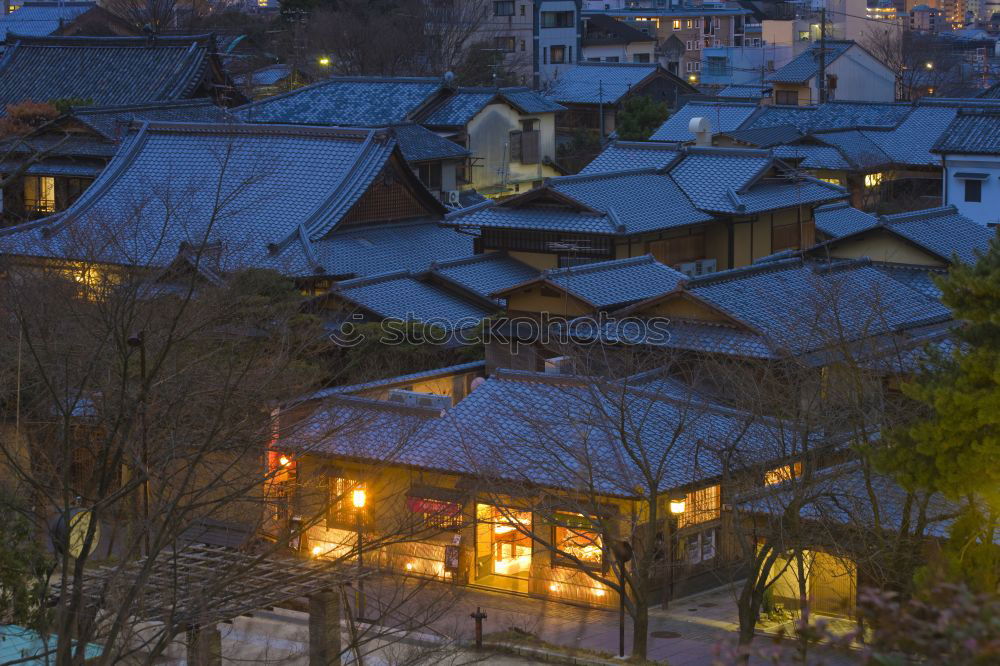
[(601, 30), (419, 144), (595, 83), (285, 190), (463, 104), (972, 133), (111, 70), (841, 219), (805, 66), (38, 19)]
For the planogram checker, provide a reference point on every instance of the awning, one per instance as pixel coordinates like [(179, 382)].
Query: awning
[(968, 175)]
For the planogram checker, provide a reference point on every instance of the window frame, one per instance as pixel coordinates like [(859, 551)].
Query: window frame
[(498, 4), (978, 191)]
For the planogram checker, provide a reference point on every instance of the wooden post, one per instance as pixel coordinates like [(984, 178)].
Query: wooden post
[(324, 628), (204, 646)]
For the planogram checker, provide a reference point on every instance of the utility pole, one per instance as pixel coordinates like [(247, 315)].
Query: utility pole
[(822, 55)]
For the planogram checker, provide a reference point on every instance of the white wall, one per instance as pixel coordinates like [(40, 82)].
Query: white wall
[(860, 77), (549, 37), (988, 210)]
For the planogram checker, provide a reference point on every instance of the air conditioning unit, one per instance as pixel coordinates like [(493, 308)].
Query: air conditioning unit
[(453, 198), (559, 365), (696, 268), (417, 399)]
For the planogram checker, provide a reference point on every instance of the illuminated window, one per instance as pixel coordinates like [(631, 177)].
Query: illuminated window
[(873, 179), (576, 537), (40, 194), (436, 514), (342, 509), (262, 3), (834, 181), (700, 506), (677, 24), (782, 474), (688, 23)]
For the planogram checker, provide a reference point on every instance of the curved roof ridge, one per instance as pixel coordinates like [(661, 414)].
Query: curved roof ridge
[(114, 40), (488, 203), (372, 279), (600, 266), (914, 215), (744, 271), (600, 175)]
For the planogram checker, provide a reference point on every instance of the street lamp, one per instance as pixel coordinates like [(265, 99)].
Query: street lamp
[(324, 61), (677, 506), (358, 498), (929, 65), (623, 553)]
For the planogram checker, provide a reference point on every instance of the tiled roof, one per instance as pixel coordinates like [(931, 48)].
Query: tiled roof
[(804, 306), (499, 426), (418, 143), (374, 249), (404, 296), (860, 151), (458, 109), (743, 92), (105, 70), (911, 141), (446, 371), (942, 231), (971, 132), (843, 494), (600, 29), (611, 284), (731, 180), (608, 204), (723, 117), (41, 18), (344, 100), (485, 274), (713, 178), (765, 137), (489, 214), (917, 278), (283, 188), (806, 65), (841, 219), (813, 156), (107, 119), (265, 76), (633, 201), (592, 83), (832, 116), (624, 155)]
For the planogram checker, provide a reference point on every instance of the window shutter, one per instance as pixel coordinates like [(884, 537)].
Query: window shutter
[(515, 146), (530, 147)]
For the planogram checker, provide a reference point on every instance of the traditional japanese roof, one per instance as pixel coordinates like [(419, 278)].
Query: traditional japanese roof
[(419, 144), (377, 248), (398, 381), (832, 116), (265, 76), (597, 203), (841, 219), (857, 148), (942, 232), (358, 101), (746, 92), (765, 137), (813, 156), (802, 306), (843, 494), (404, 296), (609, 284), (281, 190), (911, 141), (599, 29), (109, 121), (624, 155), (682, 187), (610, 83), (41, 18), (460, 107), (108, 70), (805, 66), (484, 274), (495, 431), (724, 117), (971, 132)]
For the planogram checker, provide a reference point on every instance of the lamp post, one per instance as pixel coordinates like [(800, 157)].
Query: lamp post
[(358, 498), (677, 506), (623, 553)]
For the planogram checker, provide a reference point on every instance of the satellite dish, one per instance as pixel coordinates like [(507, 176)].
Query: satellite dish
[(75, 522), (449, 78)]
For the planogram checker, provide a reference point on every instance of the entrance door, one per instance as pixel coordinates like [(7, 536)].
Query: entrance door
[(503, 544)]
